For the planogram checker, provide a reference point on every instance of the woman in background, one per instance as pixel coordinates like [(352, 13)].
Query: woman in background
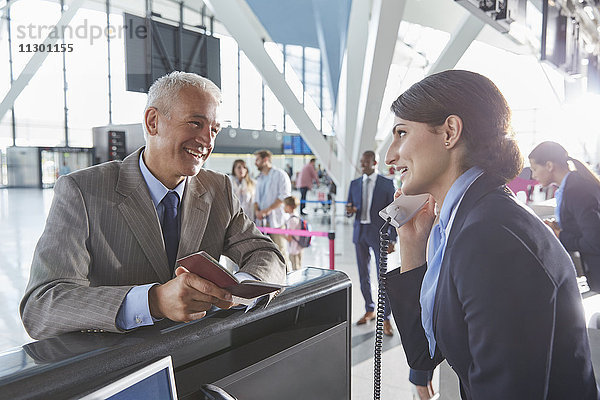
[(496, 295), (243, 187), (577, 223)]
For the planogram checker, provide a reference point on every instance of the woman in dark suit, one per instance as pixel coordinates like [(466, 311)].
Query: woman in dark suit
[(577, 223), (496, 295)]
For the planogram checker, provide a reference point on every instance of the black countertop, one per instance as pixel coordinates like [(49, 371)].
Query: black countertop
[(72, 359)]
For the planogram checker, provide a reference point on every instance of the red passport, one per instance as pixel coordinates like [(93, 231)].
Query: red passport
[(203, 265)]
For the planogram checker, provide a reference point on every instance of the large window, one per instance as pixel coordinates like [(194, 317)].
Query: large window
[(39, 109), (250, 95), (229, 81), (87, 79), (6, 121), (127, 107)]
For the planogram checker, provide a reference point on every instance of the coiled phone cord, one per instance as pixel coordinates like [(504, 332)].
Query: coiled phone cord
[(384, 241)]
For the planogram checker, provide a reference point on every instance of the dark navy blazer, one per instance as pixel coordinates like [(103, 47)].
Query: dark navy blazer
[(383, 194), (508, 315), (580, 223)]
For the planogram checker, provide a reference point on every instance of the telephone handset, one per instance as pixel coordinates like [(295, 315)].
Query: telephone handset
[(403, 208), (397, 213)]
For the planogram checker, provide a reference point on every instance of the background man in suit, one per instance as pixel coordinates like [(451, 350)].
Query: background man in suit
[(367, 196), (107, 256)]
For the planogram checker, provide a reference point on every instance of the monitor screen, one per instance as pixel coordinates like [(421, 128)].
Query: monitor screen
[(155, 381), (153, 52), (295, 144)]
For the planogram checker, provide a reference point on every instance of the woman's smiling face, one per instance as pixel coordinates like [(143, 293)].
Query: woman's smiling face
[(417, 150)]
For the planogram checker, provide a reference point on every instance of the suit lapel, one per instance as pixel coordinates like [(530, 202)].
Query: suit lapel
[(360, 189), (194, 216), (482, 186), (139, 213)]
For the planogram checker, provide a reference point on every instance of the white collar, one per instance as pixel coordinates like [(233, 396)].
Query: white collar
[(372, 177)]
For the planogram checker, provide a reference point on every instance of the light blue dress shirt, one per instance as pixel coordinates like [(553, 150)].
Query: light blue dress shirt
[(275, 185), (438, 239), (558, 195)]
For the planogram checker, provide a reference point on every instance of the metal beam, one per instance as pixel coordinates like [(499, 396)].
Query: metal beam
[(245, 28), (349, 90), (36, 61), (384, 145), (459, 42), (7, 5), (383, 35)]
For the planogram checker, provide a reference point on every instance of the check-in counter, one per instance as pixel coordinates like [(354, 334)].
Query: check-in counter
[(298, 347)]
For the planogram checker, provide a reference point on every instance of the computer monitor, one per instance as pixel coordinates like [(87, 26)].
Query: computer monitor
[(155, 381)]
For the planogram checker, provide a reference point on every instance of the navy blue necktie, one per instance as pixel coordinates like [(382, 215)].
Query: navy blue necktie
[(170, 226)]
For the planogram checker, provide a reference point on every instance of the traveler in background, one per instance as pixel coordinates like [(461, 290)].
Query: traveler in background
[(577, 223), (243, 187), (497, 295), (272, 186), (305, 182), (290, 204), (366, 197)]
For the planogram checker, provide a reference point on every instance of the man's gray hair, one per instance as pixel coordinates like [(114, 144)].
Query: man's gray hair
[(165, 90)]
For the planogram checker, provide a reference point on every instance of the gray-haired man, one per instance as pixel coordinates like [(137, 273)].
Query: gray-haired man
[(107, 255)]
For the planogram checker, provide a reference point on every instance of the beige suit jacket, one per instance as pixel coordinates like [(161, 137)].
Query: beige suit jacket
[(103, 236)]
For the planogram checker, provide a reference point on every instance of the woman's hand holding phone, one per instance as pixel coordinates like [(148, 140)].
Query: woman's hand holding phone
[(414, 234), (553, 224)]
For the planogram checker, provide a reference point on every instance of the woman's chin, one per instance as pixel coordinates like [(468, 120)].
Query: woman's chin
[(409, 190)]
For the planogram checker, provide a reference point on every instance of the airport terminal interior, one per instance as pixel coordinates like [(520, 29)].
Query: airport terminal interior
[(304, 80)]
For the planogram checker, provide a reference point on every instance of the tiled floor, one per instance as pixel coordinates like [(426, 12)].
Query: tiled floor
[(22, 217)]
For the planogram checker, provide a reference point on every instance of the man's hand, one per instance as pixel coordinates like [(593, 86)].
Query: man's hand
[(350, 209), (186, 297), (260, 214)]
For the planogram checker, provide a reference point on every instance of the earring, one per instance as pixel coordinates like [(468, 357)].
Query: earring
[(446, 143)]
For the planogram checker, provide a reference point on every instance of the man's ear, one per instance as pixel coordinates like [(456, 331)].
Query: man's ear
[(549, 166), (453, 127), (151, 120)]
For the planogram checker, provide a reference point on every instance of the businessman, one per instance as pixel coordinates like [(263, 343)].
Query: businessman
[(106, 259), (367, 196)]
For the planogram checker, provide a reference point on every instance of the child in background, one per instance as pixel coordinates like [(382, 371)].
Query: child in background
[(290, 204)]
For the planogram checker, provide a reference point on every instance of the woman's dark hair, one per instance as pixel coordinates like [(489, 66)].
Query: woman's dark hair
[(487, 132), (554, 152)]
